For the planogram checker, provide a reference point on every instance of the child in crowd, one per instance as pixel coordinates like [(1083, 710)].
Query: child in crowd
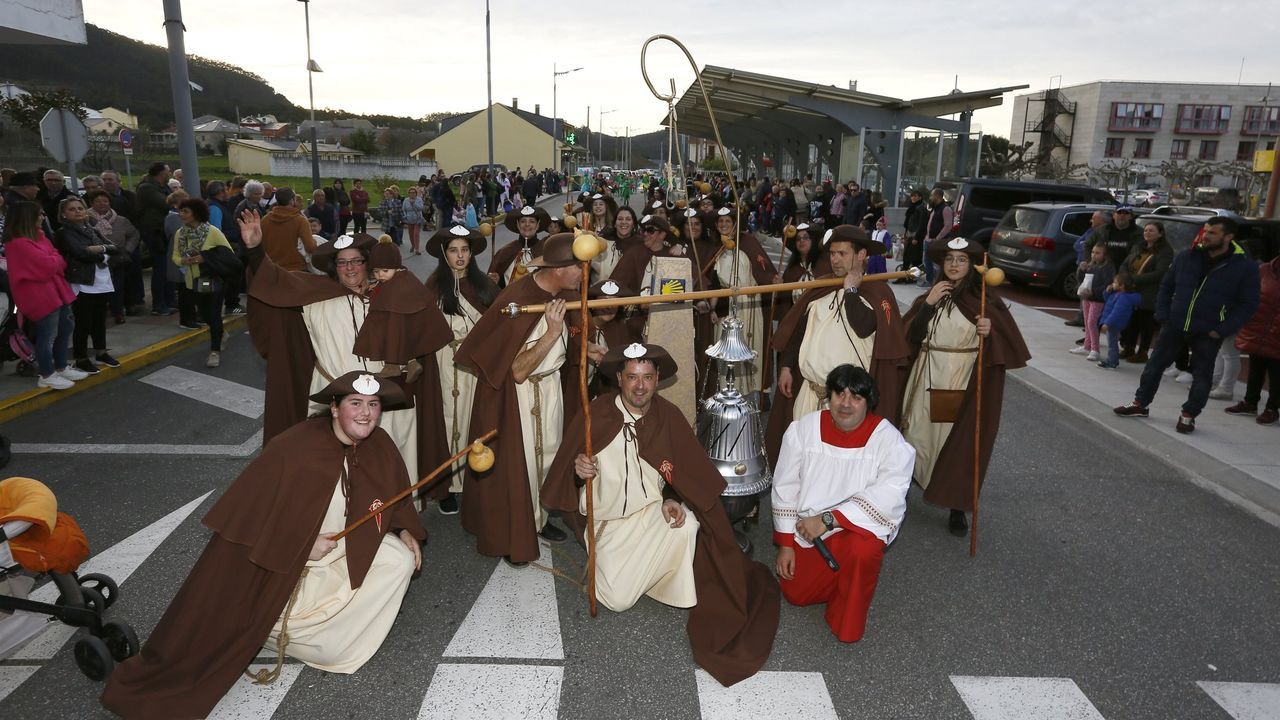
[(319, 239), (1100, 274), (1122, 298), (460, 213), (399, 298)]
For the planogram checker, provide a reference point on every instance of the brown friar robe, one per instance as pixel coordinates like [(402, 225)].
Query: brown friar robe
[(279, 334), (264, 527), (890, 355), (952, 483), (401, 324), (732, 627), (783, 302), (499, 510), (503, 257)]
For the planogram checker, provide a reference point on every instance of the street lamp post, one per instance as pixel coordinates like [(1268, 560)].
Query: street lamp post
[(555, 75), (312, 69), (600, 142), (488, 79)]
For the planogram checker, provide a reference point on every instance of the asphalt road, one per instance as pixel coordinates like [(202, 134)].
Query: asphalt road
[(1096, 564)]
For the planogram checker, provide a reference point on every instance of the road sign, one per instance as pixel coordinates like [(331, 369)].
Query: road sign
[(126, 141), (63, 135), (570, 138)]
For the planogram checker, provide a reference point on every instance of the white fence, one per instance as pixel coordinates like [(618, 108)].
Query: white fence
[(363, 167)]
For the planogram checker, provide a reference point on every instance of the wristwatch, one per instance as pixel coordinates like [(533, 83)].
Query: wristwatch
[(829, 520), (852, 290)]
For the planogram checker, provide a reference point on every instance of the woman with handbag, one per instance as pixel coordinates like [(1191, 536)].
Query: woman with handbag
[(122, 233), (204, 256), (87, 253), (939, 419)]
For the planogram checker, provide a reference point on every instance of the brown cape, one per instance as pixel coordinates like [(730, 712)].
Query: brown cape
[(890, 357), (952, 483), (263, 526), (732, 627), (276, 298), (499, 510), (401, 324), (503, 257)]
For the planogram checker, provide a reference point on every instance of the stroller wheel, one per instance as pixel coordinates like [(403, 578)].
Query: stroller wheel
[(93, 658), (121, 640), (93, 600), (105, 586)]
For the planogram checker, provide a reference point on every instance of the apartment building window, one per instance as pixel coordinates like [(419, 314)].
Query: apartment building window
[(1261, 120), (1203, 118), (1179, 149), (1114, 148), (1142, 147), (1136, 117), (1244, 152), (1208, 150)]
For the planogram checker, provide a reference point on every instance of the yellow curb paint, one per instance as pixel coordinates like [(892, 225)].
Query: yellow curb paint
[(18, 405)]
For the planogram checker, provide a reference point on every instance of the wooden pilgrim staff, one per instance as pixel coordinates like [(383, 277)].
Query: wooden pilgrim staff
[(585, 247), (479, 457), (990, 276)]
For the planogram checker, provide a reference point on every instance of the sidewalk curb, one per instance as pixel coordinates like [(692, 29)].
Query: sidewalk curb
[(1202, 470), (14, 407)]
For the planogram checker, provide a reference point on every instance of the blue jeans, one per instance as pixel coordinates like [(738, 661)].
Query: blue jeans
[(930, 269), (53, 332), (1169, 344), (1113, 346)]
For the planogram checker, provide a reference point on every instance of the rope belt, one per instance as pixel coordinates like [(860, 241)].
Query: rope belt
[(939, 348), (536, 412), (819, 389), (265, 676)]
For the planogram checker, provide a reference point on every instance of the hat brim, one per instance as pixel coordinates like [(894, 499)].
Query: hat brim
[(438, 242), (323, 257), (938, 250), (614, 360), (511, 218), (389, 392)]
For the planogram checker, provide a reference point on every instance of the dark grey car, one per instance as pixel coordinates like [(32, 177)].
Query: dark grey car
[(1034, 243)]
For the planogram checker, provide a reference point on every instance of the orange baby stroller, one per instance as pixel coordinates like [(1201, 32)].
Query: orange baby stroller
[(36, 540)]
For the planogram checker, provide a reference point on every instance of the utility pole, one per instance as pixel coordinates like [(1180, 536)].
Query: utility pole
[(312, 69), (180, 86), (488, 72)]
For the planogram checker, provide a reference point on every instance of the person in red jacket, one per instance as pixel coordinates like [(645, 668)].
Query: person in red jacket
[(1260, 337), (359, 206), (40, 292)]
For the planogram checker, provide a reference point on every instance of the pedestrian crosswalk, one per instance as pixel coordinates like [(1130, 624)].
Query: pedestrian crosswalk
[(1024, 698)]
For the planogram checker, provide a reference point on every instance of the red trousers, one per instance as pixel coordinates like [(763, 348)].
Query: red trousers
[(848, 592)]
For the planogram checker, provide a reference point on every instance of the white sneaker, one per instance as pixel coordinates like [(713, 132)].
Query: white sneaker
[(1220, 394), (55, 381), (1078, 350), (71, 373), (1183, 377), (1092, 356), (1172, 372)]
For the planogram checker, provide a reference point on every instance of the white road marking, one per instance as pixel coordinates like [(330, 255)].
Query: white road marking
[(514, 617), (484, 692), (118, 562), (244, 449), (1024, 698), (780, 695), (1245, 701), (215, 391), (247, 701), (11, 676)]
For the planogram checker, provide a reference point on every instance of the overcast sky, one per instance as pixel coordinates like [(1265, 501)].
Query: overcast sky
[(413, 57)]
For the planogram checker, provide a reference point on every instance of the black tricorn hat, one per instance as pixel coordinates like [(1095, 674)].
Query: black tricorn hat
[(528, 211)]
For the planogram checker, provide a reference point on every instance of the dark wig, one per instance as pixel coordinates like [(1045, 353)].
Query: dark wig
[(856, 380)]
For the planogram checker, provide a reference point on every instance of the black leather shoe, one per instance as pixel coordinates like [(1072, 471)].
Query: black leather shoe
[(553, 534), (958, 524), (449, 505), (507, 559)]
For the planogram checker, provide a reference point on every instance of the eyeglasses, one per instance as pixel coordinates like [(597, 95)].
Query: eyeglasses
[(959, 260), (353, 262)]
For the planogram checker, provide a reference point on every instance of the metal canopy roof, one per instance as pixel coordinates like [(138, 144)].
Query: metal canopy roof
[(739, 97)]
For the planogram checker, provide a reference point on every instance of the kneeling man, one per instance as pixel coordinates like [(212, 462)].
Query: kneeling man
[(659, 526), (842, 477), (272, 570)]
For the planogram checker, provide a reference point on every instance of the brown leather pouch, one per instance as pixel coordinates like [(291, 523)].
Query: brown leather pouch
[(944, 405)]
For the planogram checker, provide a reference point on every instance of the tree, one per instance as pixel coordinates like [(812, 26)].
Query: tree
[(1183, 173), (27, 110), (1003, 159), (362, 141)]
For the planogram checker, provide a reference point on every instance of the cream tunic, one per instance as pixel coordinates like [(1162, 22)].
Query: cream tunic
[(332, 627), (948, 329), (333, 325), (637, 552), (603, 264), (751, 314), (518, 264), (828, 342), (457, 387), (542, 414)]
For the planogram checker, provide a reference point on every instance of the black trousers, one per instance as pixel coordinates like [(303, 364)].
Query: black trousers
[(1263, 368), (1169, 345), (1140, 330), (361, 222), (90, 311), (206, 306)]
